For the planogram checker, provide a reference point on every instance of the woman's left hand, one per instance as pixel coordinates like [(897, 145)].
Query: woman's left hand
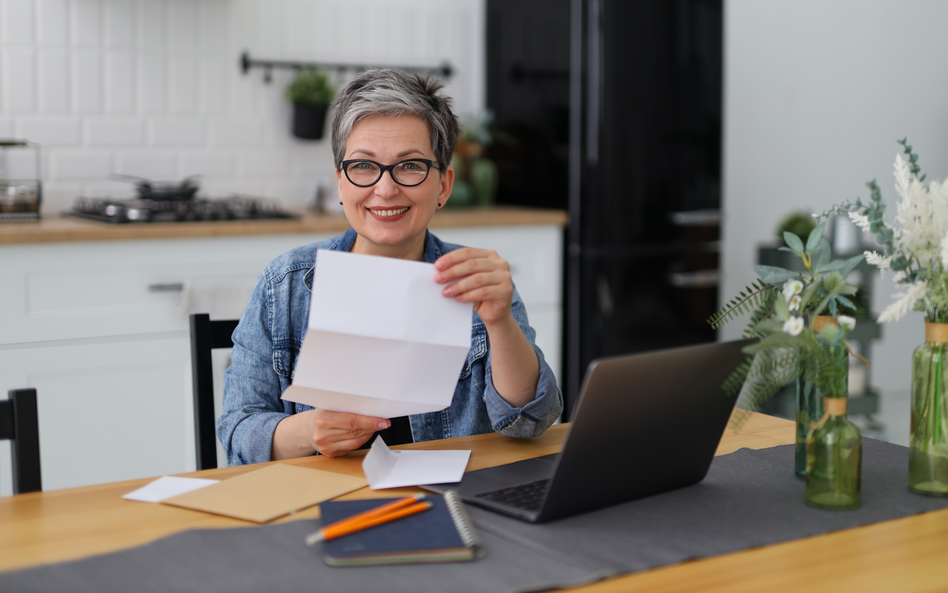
[(482, 277)]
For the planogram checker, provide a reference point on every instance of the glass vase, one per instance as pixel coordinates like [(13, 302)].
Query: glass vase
[(809, 411), (834, 459), (928, 440), (809, 407)]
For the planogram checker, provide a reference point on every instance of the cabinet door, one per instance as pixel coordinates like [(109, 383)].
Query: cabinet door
[(62, 291), (108, 410), (535, 255), (534, 252)]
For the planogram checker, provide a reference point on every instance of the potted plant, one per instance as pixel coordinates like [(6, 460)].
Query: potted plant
[(915, 248), (821, 291), (476, 177), (311, 93)]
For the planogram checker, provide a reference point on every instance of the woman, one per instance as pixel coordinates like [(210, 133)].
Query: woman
[(393, 135)]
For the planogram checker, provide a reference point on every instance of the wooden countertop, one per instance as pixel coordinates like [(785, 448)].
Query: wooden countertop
[(55, 229)]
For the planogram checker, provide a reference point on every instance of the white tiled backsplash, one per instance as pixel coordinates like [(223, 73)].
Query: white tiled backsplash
[(153, 88)]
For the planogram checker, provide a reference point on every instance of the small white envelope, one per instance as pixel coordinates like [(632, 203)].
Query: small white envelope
[(166, 487), (385, 468), (382, 339)]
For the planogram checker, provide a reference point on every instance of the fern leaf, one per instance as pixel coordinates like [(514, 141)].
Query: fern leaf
[(750, 299)]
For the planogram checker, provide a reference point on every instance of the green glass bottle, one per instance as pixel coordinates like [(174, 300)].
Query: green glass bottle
[(834, 458), (928, 440), (809, 405), (809, 412)]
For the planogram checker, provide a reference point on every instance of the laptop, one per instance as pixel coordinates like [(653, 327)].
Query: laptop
[(645, 424)]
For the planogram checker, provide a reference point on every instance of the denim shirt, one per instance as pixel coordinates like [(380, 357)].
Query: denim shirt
[(267, 343)]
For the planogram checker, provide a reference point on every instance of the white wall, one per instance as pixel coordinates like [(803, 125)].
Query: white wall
[(816, 94), (152, 88)]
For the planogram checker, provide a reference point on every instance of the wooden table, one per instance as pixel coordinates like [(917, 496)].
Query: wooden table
[(907, 554)]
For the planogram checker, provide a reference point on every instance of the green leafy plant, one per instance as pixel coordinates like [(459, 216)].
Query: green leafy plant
[(783, 306), (916, 247), (311, 87), (798, 222), (758, 298)]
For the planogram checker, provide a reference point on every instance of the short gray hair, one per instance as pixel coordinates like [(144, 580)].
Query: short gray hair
[(385, 91)]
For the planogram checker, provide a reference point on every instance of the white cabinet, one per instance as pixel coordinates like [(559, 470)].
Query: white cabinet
[(535, 255), (109, 410), (110, 357)]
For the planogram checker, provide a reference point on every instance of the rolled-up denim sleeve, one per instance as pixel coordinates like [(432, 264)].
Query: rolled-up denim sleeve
[(252, 407), (547, 405)]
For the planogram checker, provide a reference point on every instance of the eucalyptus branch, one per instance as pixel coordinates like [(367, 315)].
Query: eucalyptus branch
[(913, 158), (914, 246)]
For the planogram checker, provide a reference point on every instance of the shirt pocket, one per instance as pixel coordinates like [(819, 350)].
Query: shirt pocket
[(284, 360), (478, 349)]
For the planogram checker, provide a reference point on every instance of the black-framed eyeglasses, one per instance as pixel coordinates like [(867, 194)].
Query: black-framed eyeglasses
[(410, 172)]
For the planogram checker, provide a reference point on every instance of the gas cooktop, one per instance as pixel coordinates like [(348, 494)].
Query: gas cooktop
[(144, 210)]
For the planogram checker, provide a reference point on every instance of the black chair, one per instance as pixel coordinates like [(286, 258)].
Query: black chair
[(206, 335), (19, 423)]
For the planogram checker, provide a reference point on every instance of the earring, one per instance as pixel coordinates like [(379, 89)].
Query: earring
[(439, 204), (340, 203)]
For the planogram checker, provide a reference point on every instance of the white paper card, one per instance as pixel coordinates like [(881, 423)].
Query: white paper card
[(166, 487), (382, 339), (385, 468)]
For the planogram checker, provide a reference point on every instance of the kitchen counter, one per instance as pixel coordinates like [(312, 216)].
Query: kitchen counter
[(56, 229)]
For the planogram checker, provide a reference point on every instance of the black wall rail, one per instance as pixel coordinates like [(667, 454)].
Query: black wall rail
[(246, 63)]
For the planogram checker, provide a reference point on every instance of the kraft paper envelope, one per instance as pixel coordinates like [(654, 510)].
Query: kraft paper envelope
[(382, 339), (266, 494)]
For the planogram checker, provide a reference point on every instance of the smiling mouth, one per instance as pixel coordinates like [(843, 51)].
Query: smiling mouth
[(393, 212)]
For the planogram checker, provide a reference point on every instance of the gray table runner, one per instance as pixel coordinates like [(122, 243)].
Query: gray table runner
[(750, 498)]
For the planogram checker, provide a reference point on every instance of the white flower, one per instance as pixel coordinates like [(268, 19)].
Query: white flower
[(944, 249), (922, 214), (861, 220), (899, 308), (792, 287), (878, 260), (793, 326), (846, 322), (795, 302)]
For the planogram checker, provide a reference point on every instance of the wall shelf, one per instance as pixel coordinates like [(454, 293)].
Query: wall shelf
[(246, 63)]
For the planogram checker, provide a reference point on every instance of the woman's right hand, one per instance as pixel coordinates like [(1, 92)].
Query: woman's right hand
[(333, 434)]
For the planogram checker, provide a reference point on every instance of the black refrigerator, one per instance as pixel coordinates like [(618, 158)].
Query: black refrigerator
[(614, 110)]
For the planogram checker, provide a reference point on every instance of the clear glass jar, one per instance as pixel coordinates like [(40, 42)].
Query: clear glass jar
[(809, 406), (809, 412)]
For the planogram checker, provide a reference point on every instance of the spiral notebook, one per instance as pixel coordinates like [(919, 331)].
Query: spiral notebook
[(443, 533)]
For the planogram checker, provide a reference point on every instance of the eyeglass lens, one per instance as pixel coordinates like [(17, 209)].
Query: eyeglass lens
[(405, 173)]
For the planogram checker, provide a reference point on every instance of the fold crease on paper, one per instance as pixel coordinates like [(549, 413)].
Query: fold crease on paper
[(382, 340), (385, 468)]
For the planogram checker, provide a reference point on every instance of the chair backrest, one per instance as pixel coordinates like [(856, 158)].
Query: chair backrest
[(19, 423), (206, 335)]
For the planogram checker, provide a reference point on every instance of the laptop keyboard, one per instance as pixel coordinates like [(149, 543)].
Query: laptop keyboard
[(523, 496)]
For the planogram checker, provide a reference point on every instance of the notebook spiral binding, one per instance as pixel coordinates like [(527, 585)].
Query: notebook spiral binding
[(462, 521)]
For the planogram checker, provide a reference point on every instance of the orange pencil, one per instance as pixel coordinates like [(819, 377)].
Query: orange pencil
[(396, 509)]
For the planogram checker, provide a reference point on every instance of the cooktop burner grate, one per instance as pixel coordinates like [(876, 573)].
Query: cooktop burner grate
[(140, 210)]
